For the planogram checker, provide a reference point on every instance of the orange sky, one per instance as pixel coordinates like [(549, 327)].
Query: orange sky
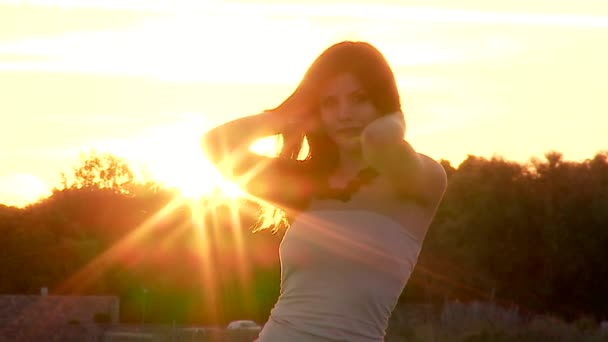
[(143, 79)]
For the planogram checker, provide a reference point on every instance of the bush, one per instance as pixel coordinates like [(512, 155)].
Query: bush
[(586, 324), (102, 318), (477, 316)]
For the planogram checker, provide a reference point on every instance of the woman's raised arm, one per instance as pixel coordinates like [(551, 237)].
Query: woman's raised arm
[(278, 180), (227, 146), (413, 175)]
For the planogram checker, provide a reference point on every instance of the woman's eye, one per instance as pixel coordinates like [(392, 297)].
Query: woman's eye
[(328, 102), (359, 98)]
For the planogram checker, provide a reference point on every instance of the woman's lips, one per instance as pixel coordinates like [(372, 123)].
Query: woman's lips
[(351, 131)]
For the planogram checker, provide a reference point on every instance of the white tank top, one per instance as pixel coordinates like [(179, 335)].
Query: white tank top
[(342, 272)]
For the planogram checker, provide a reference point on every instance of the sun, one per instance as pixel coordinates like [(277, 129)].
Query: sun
[(198, 179)]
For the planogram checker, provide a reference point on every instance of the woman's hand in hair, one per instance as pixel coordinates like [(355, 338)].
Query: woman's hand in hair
[(291, 121), (296, 112), (295, 115), (386, 129)]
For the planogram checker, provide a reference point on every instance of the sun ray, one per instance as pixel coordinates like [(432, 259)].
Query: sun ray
[(95, 269), (168, 240), (243, 270), (207, 274)]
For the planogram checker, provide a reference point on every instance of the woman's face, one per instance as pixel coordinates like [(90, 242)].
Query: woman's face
[(345, 110)]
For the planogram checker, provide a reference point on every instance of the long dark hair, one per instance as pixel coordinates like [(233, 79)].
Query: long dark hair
[(369, 66)]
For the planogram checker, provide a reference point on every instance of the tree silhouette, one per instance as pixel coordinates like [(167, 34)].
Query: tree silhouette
[(103, 171)]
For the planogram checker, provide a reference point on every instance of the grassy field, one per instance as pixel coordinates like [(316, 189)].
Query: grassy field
[(476, 322)]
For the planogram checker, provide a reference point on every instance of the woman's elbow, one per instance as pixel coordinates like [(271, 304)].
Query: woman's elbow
[(210, 148)]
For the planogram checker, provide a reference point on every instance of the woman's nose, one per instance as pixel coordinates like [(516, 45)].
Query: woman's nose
[(345, 111)]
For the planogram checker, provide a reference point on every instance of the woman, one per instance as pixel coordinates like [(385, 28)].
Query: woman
[(359, 204)]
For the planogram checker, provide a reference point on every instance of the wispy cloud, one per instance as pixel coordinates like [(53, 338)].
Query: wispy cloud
[(443, 15), (18, 58), (22, 21), (221, 49), (229, 41), (129, 5)]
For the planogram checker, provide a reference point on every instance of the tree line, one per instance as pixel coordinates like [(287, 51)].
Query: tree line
[(531, 235)]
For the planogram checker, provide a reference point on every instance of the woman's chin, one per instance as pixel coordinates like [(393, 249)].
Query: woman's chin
[(349, 144)]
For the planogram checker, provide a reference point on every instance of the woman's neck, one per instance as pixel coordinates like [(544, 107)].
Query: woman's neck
[(350, 163)]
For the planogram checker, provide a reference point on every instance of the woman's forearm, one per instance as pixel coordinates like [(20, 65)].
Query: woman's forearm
[(235, 137)]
